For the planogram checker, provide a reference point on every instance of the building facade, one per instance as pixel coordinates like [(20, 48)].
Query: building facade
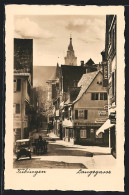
[(87, 112), (23, 81), (21, 102), (109, 80), (68, 79)]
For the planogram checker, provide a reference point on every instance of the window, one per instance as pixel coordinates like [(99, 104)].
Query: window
[(17, 85), (81, 114), (83, 134), (103, 96), (17, 108), (85, 114), (70, 113), (66, 132), (26, 108), (17, 133), (76, 114), (98, 96), (28, 88), (94, 96)]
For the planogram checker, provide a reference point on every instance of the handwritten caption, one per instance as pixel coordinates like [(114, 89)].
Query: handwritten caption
[(33, 172), (94, 173), (80, 171)]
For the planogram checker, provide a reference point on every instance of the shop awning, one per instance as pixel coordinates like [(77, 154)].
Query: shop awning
[(67, 123), (105, 126)]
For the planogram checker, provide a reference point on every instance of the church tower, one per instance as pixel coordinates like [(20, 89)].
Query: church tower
[(70, 59)]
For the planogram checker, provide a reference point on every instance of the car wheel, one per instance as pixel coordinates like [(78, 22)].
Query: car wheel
[(17, 157)]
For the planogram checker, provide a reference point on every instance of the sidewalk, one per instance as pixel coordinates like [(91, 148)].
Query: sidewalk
[(102, 159), (96, 150)]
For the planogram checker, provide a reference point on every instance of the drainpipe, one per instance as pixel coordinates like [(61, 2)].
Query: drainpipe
[(21, 107), (109, 139), (62, 85)]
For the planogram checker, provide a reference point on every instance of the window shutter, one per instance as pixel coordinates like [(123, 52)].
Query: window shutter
[(14, 108), (92, 96), (105, 96), (88, 133), (85, 134), (101, 96), (17, 108), (85, 114), (18, 84), (76, 114), (96, 96)]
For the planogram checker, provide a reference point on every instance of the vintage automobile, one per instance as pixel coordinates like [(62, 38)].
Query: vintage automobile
[(23, 148)]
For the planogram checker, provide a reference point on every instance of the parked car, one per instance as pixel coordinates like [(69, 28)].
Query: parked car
[(23, 148)]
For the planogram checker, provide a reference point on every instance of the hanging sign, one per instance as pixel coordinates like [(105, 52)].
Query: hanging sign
[(105, 74)]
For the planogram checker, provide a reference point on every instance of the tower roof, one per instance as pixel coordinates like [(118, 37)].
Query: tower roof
[(70, 47)]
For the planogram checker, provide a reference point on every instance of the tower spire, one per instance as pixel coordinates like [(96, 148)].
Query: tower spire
[(70, 47)]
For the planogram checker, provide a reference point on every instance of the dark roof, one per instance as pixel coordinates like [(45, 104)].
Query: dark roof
[(85, 82), (56, 73), (71, 74), (90, 62)]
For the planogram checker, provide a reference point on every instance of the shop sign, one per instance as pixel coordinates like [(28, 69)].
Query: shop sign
[(113, 121), (105, 74), (112, 117), (101, 120), (102, 113), (87, 124), (57, 113), (92, 130), (17, 124), (106, 107)]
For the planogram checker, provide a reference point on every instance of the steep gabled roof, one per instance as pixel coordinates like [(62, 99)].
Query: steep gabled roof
[(71, 74), (90, 62), (56, 73), (85, 82)]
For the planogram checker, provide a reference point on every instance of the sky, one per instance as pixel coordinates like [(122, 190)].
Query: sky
[(51, 33), (41, 74)]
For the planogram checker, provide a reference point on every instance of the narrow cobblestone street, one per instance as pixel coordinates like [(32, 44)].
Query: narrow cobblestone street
[(61, 154), (54, 150)]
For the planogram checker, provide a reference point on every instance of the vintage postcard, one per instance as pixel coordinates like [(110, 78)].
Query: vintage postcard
[(64, 97)]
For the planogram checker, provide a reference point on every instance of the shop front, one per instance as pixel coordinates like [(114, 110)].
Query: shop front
[(68, 131), (85, 133), (109, 137)]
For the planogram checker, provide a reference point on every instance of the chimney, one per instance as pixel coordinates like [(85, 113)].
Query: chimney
[(103, 55), (82, 63)]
